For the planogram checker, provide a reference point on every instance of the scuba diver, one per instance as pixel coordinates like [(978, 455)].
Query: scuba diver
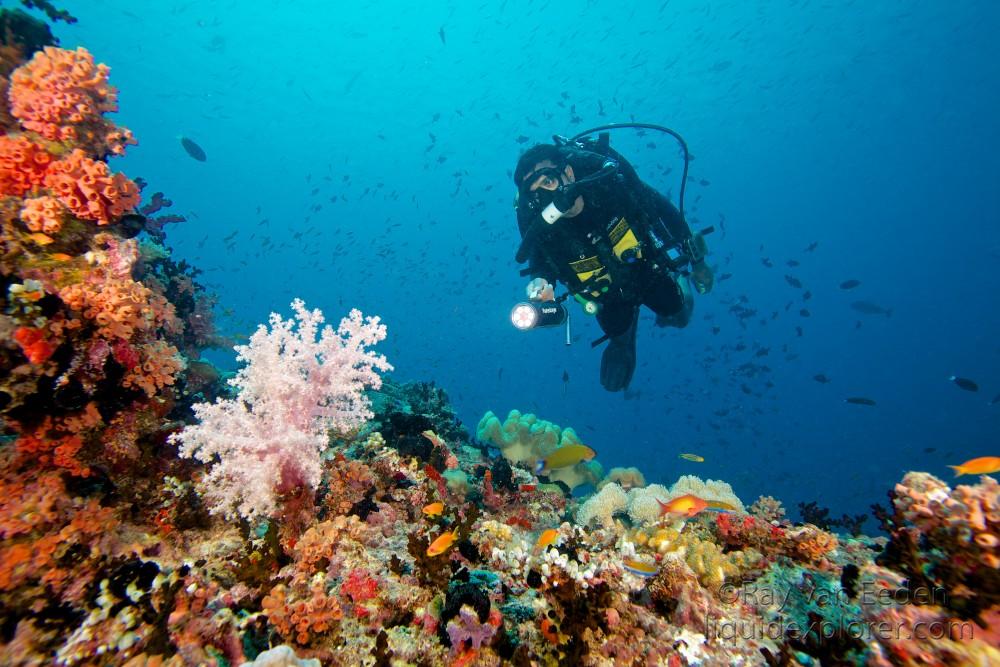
[(587, 221)]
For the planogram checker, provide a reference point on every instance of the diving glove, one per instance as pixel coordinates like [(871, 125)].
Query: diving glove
[(540, 289), (702, 277), (696, 248)]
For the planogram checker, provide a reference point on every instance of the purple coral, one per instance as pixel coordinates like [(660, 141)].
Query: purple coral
[(466, 627), (293, 388)]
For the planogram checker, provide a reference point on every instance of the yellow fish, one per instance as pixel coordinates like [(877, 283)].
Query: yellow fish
[(433, 509), (564, 457), (984, 465), (640, 568), (442, 543), (692, 457), (61, 256), (40, 239), (546, 538)]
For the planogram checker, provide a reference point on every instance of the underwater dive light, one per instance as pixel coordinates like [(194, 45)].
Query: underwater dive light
[(527, 315)]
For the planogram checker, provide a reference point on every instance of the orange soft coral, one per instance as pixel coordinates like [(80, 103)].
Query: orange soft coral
[(22, 165), (89, 189), (62, 95), (43, 214)]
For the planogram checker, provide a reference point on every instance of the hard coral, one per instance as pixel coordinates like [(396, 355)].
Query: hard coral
[(89, 189), (157, 366), (63, 96), (947, 539), (22, 165), (107, 296), (346, 482), (43, 214), (302, 620), (767, 509), (811, 544)]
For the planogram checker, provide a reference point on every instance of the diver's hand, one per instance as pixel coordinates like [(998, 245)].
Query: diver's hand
[(702, 277), (540, 289), (696, 248)]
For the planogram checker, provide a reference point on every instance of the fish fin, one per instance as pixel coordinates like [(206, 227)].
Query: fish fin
[(539, 466), (959, 471)]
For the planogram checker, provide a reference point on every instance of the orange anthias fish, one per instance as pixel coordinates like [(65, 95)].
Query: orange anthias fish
[(433, 509), (40, 239), (687, 505), (984, 465), (442, 543), (546, 538)]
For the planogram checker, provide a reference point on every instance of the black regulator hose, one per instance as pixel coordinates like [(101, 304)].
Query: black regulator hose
[(658, 128)]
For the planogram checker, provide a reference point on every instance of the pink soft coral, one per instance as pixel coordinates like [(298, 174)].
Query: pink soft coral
[(292, 390)]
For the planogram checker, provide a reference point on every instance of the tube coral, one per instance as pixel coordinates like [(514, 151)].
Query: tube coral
[(89, 189), (43, 214), (22, 165), (62, 95)]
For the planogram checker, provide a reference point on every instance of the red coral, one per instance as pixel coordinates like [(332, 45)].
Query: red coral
[(125, 354), (359, 586), (34, 345), (742, 531)]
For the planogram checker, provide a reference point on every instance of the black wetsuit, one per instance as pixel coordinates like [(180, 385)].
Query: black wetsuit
[(560, 250)]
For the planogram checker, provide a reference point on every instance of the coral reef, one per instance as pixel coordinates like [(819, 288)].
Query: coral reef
[(365, 526)]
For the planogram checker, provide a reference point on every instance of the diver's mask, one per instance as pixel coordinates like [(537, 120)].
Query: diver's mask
[(552, 199)]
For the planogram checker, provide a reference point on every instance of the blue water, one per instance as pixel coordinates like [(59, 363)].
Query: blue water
[(869, 128)]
